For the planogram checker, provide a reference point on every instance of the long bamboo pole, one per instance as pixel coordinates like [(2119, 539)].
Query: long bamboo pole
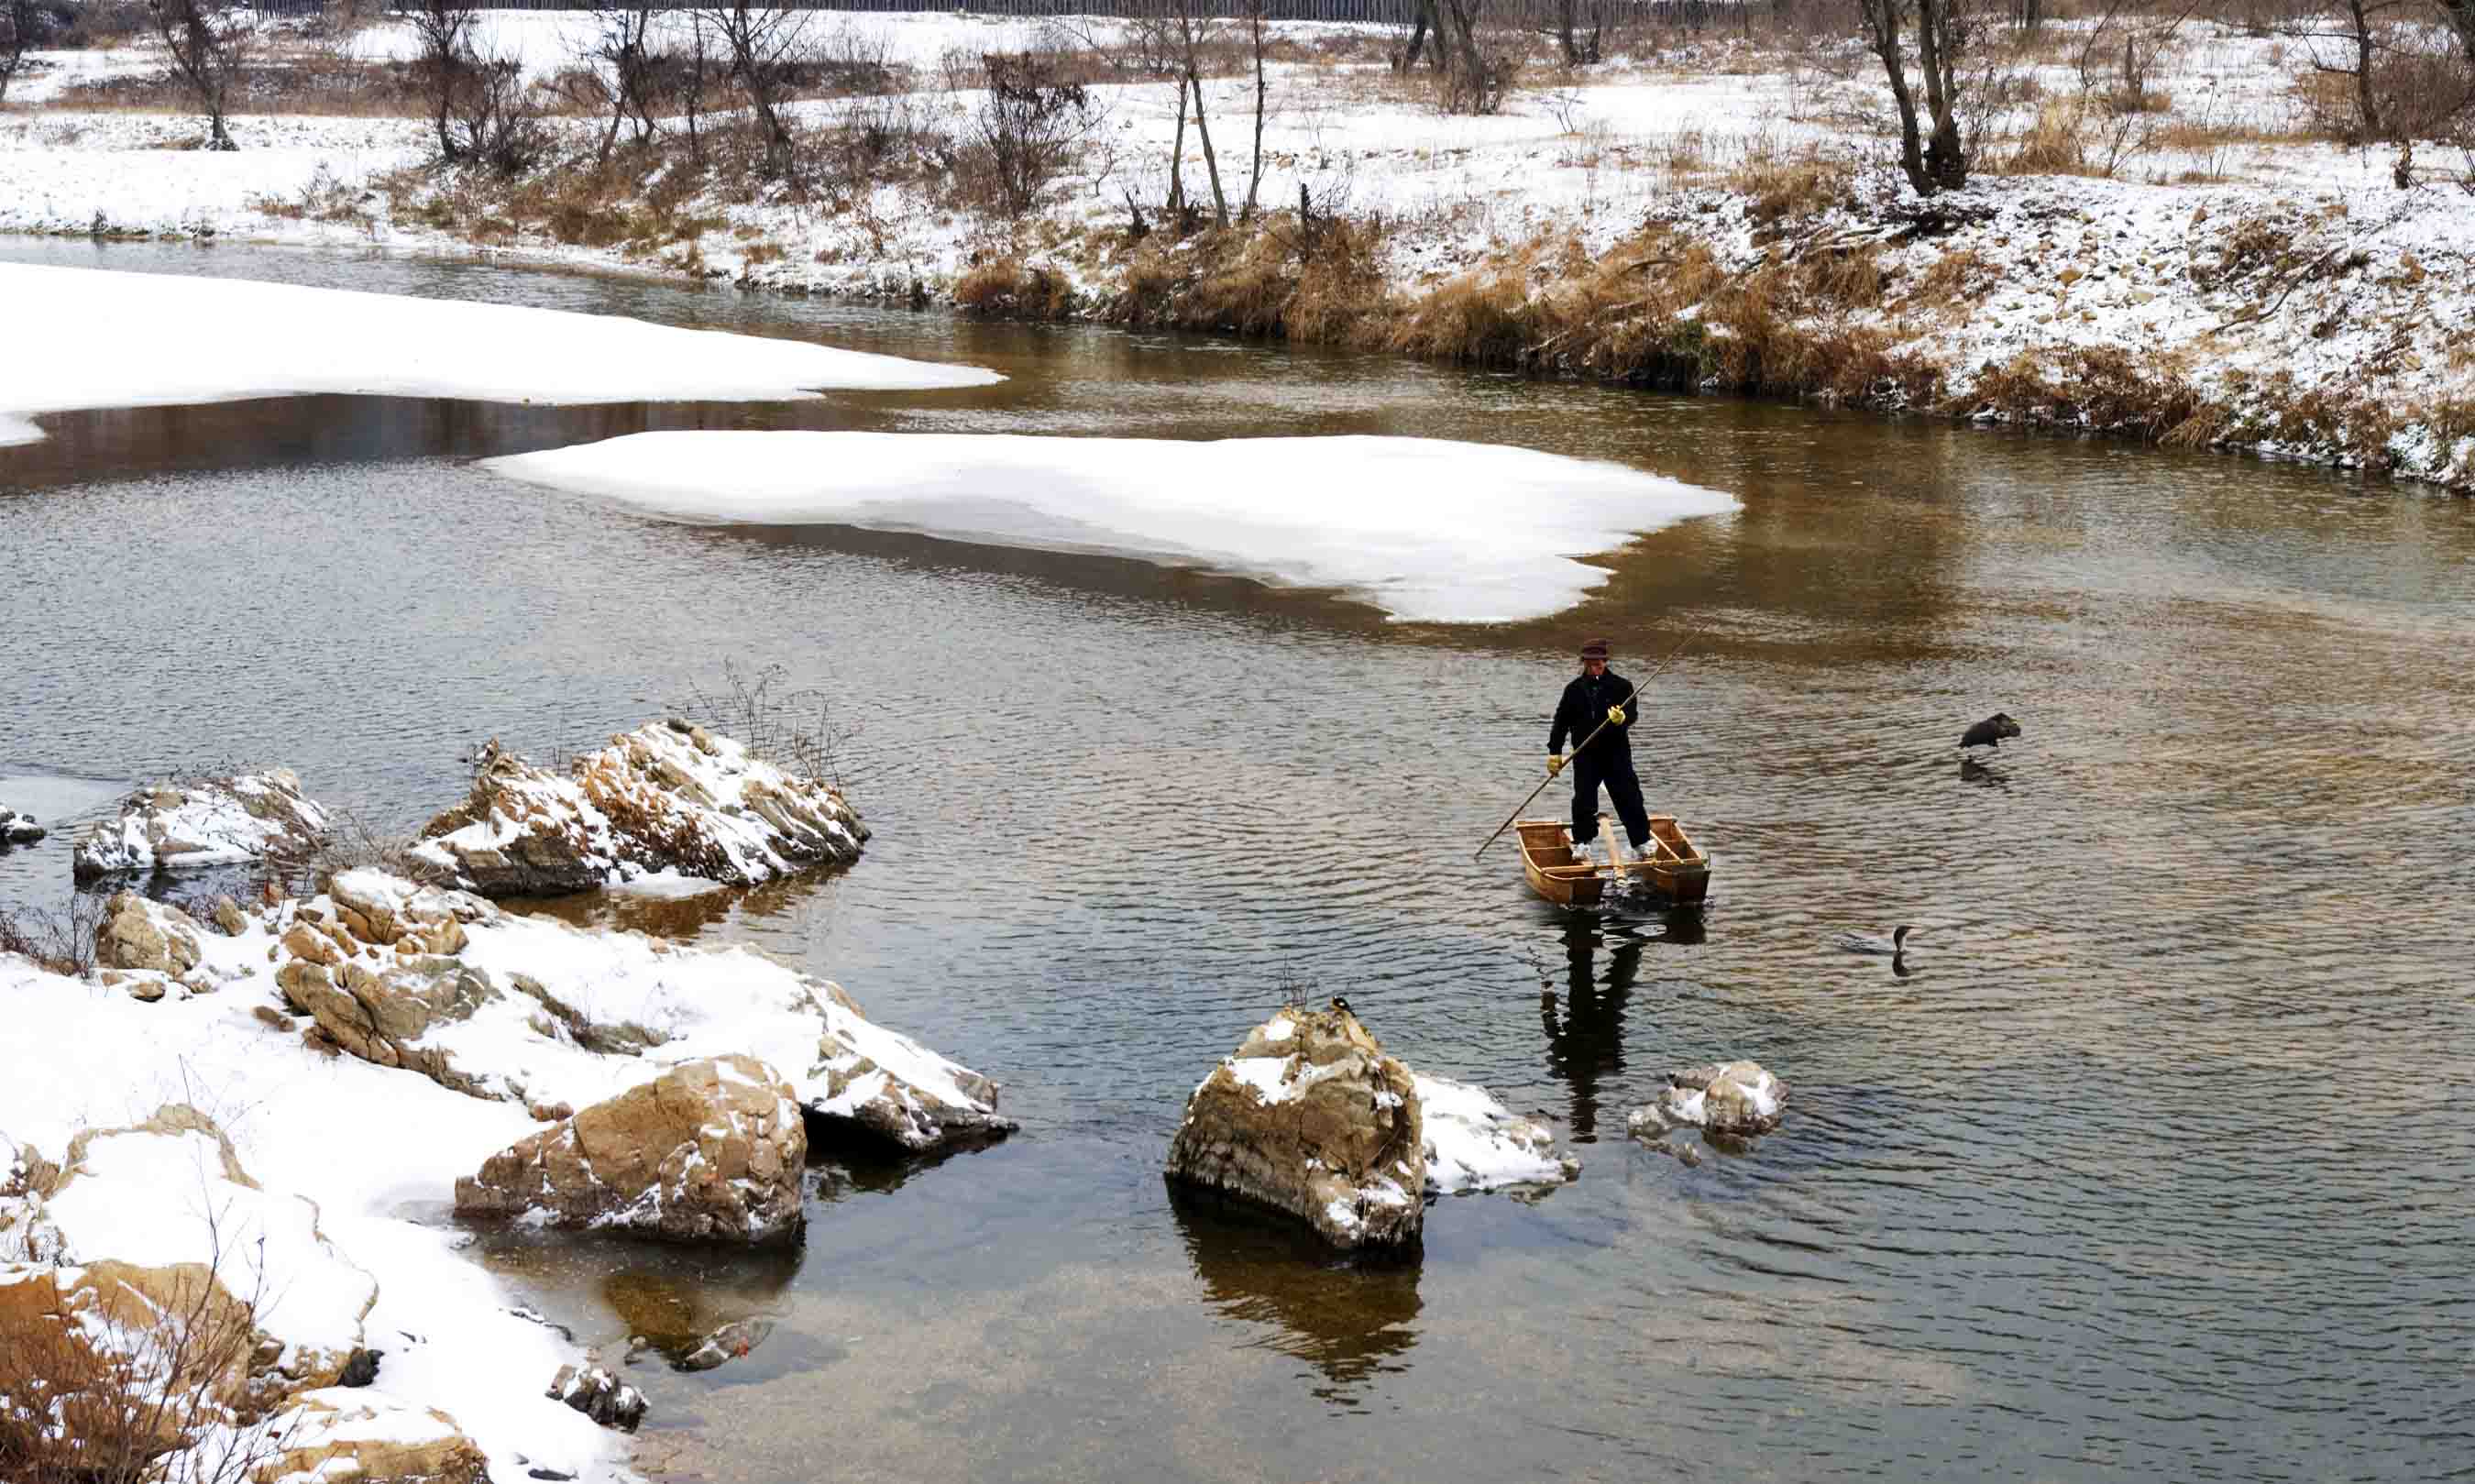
[(1627, 703)]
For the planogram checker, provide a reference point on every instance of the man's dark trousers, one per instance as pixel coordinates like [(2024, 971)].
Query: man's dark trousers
[(1613, 767)]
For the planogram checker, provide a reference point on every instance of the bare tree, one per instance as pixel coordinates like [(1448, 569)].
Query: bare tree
[(1580, 49), (762, 47), (445, 62), (2461, 15), (208, 46), (1942, 38), (629, 67), (18, 24)]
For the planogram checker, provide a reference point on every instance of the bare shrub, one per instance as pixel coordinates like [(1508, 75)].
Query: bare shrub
[(350, 843), (60, 942), (1028, 128), (793, 729), (107, 1392)]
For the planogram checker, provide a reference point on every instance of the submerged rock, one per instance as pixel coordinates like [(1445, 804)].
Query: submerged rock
[(16, 829), (1311, 1117), (667, 796), (710, 1150), (211, 821), (1732, 1098)]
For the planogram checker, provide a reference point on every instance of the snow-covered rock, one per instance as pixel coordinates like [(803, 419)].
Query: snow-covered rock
[(1738, 1098), (168, 1198), (1311, 1117), (1476, 1143), (669, 796), (538, 1014), (16, 829), (369, 1438), (599, 1395), (708, 1152), (213, 821)]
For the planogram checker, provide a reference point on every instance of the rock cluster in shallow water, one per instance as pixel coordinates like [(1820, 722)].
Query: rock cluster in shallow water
[(667, 796), (1734, 1099), (16, 829), (210, 821)]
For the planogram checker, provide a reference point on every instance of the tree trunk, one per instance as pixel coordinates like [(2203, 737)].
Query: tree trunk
[(1564, 33), (1255, 176), (1418, 34), (1211, 162), (1177, 161), (1882, 23), (1938, 53), (2364, 70)]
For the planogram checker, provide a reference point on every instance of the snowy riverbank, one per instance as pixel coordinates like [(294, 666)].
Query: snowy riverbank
[(2222, 280)]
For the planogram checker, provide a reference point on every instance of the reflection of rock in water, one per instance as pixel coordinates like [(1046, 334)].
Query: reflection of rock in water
[(1350, 1318), (681, 917), (696, 1319)]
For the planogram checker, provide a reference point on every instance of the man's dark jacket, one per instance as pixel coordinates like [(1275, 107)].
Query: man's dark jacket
[(1584, 705)]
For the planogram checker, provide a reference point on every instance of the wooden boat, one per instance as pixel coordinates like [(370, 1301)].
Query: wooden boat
[(1677, 869)]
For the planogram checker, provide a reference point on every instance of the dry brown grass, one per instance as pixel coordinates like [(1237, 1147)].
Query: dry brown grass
[(1008, 288), (1780, 186)]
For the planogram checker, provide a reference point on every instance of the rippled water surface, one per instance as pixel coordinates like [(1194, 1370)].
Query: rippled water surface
[(2157, 1165)]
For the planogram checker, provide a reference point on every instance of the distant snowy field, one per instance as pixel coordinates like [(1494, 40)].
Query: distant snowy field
[(2068, 262)]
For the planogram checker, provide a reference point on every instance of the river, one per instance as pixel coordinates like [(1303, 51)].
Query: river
[(2158, 1164)]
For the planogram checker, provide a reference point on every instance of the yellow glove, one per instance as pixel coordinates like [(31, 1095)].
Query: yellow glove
[(1555, 763), (1615, 715)]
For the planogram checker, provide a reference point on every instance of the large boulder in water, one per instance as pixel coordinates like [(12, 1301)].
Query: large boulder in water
[(667, 796), (1311, 1117), (208, 821), (711, 1151)]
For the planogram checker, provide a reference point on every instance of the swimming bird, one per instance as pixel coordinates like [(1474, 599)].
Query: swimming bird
[(1896, 945), (1990, 732)]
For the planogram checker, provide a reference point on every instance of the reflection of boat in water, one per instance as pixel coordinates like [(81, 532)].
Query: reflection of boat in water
[(1350, 1318), (1671, 864)]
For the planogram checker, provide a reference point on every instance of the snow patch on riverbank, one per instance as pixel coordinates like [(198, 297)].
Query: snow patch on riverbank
[(130, 339), (1427, 529)]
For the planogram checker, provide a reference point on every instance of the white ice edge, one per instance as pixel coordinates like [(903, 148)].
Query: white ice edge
[(1427, 529), (115, 339)]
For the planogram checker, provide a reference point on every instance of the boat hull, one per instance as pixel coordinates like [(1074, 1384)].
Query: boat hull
[(1677, 869)]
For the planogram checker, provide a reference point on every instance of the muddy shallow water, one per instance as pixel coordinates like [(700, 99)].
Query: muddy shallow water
[(2157, 1164)]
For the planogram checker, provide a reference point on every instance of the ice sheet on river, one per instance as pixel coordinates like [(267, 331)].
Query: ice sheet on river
[(1426, 528), (113, 339)]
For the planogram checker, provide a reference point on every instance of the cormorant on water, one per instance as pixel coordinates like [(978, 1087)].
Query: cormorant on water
[(1990, 732), (1895, 945)]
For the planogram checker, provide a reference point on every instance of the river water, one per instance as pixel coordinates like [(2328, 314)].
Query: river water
[(2158, 1164)]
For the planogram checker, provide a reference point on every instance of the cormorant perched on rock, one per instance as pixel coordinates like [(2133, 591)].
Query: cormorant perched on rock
[(1342, 1005), (1990, 732)]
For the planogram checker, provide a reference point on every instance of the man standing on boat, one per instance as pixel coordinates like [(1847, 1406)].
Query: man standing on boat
[(1599, 700)]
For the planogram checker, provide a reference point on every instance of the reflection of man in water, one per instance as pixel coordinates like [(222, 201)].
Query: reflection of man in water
[(1589, 1043), (1598, 706)]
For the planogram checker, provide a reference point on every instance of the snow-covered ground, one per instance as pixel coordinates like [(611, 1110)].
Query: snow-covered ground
[(1426, 528), (2356, 318), (271, 339)]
